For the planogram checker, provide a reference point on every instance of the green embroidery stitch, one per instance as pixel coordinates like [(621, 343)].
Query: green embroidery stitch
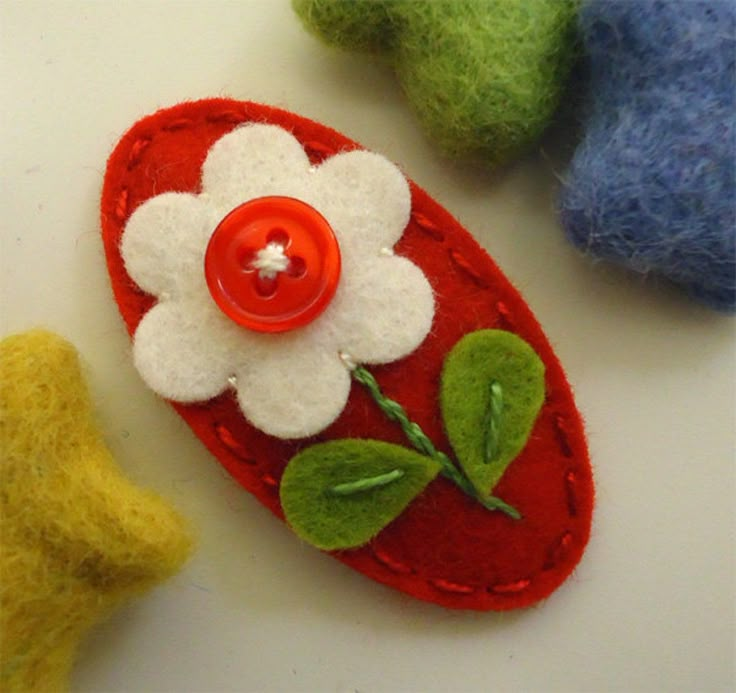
[(493, 421), (423, 444), (355, 514), (366, 484), (396, 412), (340, 494), (487, 430)]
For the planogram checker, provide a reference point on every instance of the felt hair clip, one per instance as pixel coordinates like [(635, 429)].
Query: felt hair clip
[(348, 352), (76, 538)]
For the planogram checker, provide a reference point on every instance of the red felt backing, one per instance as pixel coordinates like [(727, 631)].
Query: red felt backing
[(445, 548)]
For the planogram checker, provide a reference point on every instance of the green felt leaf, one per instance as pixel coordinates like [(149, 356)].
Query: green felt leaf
[(340, 494), (492, 390)]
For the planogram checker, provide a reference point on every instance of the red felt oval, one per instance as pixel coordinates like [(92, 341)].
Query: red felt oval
[(445, 548)]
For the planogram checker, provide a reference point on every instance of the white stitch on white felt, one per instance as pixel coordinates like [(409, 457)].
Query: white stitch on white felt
[(270, 261), (386, 252), (347, 360), (288, 385)]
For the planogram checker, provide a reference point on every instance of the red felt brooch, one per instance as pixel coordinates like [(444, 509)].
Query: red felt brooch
[(364, 369)]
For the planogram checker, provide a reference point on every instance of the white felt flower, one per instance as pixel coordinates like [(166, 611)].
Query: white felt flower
[(292, 384)]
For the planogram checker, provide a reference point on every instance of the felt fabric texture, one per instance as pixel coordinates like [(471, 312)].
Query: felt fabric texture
[(483, 76), (331, 521), (76, 538), (444, 548), (475, 362), (292, 384), (651, 185)]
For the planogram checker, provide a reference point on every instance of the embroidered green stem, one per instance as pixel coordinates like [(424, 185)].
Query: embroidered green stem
[(423, 444), (495, 503), (351, 487), (396, 412), (493, 422)]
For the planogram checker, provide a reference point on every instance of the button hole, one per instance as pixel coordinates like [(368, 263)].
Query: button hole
[(297, 267), (279, 236), (265, 286), (246, 258)]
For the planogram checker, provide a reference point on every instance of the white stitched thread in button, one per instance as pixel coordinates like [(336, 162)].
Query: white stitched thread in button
[(270, 261)]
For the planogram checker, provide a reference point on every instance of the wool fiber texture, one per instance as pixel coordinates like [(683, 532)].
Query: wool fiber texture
[(76, 537), (483, 76), (652, 185)]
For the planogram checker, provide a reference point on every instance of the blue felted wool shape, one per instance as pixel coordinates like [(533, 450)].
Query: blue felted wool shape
[(651, 185)]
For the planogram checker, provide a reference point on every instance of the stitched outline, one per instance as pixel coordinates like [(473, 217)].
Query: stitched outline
[(464, 266), (317, 152)]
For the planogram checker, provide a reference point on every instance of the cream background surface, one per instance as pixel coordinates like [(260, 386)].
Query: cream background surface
[(650, 608)]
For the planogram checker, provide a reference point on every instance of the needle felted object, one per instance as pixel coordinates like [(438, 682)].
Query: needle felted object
[(225, 223), (652, 184), (483, 76), (76, 538)]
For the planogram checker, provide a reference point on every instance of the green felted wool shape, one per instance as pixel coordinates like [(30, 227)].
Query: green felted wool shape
[(355, 25), (340, 494), (491, 392), (484, 76)]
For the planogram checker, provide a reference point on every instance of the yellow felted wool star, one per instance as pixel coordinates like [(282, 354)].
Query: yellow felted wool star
[(76, 538)]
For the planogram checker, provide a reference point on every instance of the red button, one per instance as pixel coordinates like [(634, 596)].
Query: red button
[(273, 264)]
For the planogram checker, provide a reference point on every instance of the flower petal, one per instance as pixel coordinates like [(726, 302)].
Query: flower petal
[(253, 161), (365, 198), (184, 352), (293, 390), (290, 385), (383, 310), (164, 243)]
